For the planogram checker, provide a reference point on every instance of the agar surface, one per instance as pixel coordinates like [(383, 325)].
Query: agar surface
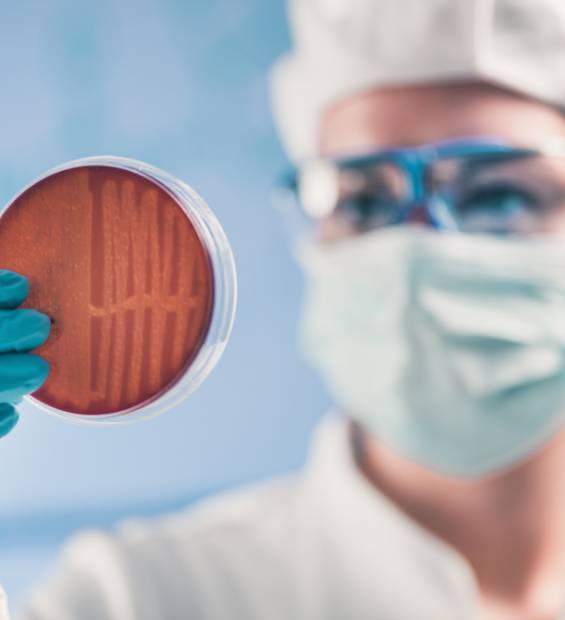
[(119, 267)]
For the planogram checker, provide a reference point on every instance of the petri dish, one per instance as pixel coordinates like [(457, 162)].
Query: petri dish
[(138, 278)]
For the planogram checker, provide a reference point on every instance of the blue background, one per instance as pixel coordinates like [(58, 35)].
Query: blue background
[(183, 85)]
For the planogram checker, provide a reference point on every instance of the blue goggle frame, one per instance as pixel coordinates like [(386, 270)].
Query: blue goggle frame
[(414, 161)]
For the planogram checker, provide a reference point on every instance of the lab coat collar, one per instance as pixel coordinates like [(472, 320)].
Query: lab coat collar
[(400, 569)]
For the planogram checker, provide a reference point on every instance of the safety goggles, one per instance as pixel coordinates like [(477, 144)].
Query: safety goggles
[(467, 185)]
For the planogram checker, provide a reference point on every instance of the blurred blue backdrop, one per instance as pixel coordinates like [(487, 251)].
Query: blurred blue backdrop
[(182, 85)]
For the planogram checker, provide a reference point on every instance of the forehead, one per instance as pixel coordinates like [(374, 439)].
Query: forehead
[(420, 114)]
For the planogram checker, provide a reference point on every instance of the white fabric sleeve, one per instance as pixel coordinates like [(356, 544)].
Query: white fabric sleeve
[(89, 583), (4, 615)]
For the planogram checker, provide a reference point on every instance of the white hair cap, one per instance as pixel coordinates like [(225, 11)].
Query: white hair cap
[(345, 46)]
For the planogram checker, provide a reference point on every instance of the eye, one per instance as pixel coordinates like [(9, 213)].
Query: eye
[(499, 208), (501, 200), (366, 210), (370, 197)]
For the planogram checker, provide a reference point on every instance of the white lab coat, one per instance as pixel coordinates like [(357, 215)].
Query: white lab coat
[(323, 545)]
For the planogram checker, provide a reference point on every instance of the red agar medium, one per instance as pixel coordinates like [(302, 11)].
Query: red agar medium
[(119, 267)]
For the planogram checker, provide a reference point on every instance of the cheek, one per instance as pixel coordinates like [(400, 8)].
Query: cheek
[(556, 224), (332, 229)]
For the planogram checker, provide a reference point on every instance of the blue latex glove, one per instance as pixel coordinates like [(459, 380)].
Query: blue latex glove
[(20, 330)]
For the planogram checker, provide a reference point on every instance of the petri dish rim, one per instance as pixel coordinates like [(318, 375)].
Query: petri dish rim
[(224, 274)]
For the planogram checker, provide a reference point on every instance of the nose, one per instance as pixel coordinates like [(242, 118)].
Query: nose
[(419, 214)]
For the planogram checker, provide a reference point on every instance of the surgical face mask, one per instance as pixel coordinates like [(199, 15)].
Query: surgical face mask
[(449, 348)]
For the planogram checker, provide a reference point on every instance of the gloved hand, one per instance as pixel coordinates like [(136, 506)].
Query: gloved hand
[(20, 330)]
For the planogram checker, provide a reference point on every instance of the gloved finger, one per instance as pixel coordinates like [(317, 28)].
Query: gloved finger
[(13, 289), (22, 330), (20, 374), (8, 418)]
